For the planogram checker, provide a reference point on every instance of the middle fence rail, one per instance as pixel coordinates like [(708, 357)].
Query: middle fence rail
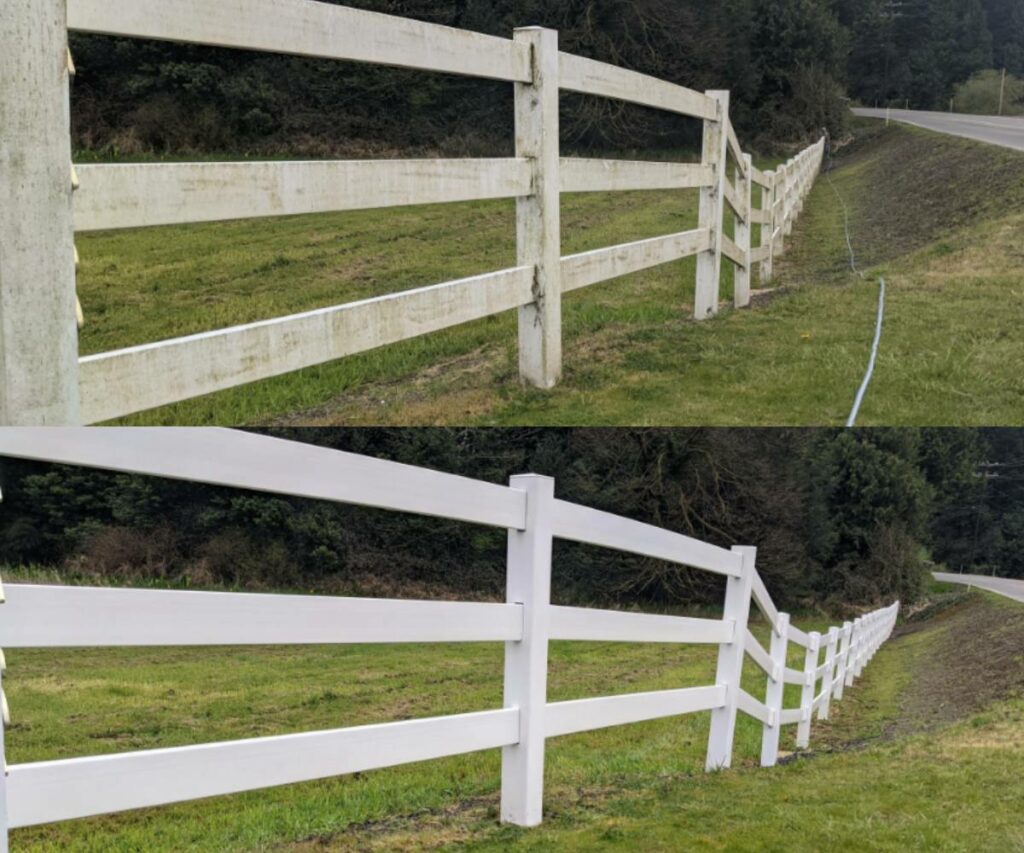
[(46, 381), (54, 617)]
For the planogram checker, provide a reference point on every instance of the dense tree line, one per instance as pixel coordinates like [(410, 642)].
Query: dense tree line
[(837, 516), (917, 51), (787, 63), (782, 60)]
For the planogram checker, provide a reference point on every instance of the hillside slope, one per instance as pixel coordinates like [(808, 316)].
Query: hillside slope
[(939, 217), (924, 752)]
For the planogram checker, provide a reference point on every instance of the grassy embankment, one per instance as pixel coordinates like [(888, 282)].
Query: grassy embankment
[(939, 216), (924, 751)]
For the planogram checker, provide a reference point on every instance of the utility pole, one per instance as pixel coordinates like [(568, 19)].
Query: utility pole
[(1002, 92)]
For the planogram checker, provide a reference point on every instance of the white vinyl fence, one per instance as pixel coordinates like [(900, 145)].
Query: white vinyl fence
[(50, 616), (47, 200)]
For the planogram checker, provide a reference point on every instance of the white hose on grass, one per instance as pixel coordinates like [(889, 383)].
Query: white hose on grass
[(852, 420)]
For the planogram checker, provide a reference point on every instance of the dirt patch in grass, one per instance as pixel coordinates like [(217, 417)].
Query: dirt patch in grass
[(461, 389), (450, 825), (977, 659), (957, 654), (919, 186), (452, 388)]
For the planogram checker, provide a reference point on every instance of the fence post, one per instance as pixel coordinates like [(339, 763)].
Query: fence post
[(830, 671), (730, 660), (851, 663), (712, 209), (538, 218), (38, 330), (744, 189), (788, 206), (801, 186), (865, 650), (779, 211), (767, 228), (844, 654), (803, 729), (774, 693), (526, 660), (876, 636)]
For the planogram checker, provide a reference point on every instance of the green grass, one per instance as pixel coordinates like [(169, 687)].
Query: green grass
[(959, 791), (152, 284), (86, 702), (641, 786), (145, 285)]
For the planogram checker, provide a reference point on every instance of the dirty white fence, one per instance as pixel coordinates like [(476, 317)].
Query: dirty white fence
[(48, 616), (44, 381)]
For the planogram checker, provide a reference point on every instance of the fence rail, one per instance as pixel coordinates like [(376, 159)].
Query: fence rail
[(44, 380), (49, 616)]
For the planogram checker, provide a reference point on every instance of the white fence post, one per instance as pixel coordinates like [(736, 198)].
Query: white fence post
[(38, 330), (792, 185), (744, 189), (712, 209), (768, 228), (851, 662), (775, 691), (801, 188), (730, 660), (779, 208), (526, 660), (883, 628), (844, 654), (803, 730), (538, 218), (830, 671), (865, 647)]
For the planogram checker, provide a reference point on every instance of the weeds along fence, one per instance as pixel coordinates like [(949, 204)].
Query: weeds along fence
[(47, 200), (49, 616)]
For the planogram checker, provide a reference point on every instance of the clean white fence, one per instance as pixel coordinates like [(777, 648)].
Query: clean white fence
[(48, 616), (44, 381)]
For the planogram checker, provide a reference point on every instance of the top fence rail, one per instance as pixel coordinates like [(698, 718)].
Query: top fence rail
[(307, 28), (592, 77)]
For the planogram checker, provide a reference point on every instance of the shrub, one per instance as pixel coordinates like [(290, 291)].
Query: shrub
[(129, 553), (980, 94)]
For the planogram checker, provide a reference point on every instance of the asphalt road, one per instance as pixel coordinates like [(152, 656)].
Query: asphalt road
[(1007, 132), (1003, 586)]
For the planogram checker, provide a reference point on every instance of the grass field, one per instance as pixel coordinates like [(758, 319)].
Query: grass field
[(888, 772), (937, 215), (150, 284)]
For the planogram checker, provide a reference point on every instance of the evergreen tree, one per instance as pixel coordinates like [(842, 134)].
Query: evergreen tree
[(1006, 23), (869, 506)]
